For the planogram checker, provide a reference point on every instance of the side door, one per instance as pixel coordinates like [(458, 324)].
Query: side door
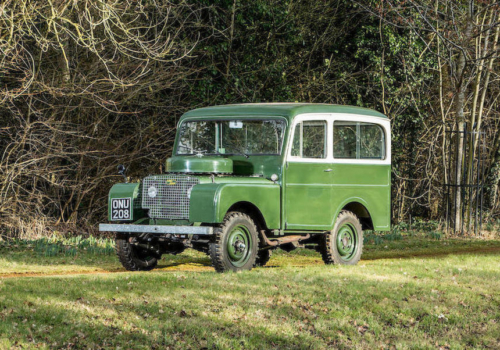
[(308, 175), (362, 166)]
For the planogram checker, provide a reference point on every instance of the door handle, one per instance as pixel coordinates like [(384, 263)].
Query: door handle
[(327, 170)]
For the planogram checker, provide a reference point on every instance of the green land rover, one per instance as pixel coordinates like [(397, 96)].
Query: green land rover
[(245, 179)]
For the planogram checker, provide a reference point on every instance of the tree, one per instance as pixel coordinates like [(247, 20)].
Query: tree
[(79, 85), (464, 37)]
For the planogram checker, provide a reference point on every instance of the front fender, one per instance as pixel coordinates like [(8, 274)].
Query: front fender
[(127, 190), (210, 202)]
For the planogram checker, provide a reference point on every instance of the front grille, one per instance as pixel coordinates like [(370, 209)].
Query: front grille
[(138, 199), (171, 200)]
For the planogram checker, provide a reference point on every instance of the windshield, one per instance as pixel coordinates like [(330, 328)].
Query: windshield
[(247, 137)]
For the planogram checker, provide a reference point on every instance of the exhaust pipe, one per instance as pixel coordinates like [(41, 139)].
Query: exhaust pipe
[(282, 240)]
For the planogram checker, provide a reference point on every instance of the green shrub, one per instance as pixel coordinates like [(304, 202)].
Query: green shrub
[(434, 235), (54, 246)]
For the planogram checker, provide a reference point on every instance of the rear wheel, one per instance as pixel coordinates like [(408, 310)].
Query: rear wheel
[(344, 244), (133, 258), (235, 244)]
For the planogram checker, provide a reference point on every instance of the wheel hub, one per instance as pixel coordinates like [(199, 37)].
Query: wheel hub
[(239, 245), (346, 242)]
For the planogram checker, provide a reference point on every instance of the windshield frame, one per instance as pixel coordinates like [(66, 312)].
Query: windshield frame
[(229, 118)]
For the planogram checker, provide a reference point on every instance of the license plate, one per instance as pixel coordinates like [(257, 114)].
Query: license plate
[(121, 208)]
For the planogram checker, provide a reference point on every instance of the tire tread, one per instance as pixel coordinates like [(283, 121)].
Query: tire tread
[(216, 248), (326, 245), (124, 251), (263, 257)]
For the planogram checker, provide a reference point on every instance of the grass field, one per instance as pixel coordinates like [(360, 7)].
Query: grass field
[(406, 293)]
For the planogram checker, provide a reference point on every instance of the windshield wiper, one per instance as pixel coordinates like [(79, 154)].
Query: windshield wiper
[(205, 152), (240, 153)]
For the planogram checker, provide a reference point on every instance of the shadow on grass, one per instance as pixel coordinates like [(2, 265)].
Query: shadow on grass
[(430, 254), (201, 262), (317, 309), (30, 262), (76, 317)]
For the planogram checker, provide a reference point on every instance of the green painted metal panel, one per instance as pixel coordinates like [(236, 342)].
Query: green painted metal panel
[(265, 165), (314, 198), (242, 166), (368, 184), (266, 197), (126, 190), (308, 193), (203, 203), (203, 164), (250, 180), (210, 202)]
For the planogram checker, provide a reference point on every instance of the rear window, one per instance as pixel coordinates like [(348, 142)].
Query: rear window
[(355, 140)]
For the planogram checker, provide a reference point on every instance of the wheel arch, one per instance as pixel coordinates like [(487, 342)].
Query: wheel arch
[(251, 210), (360, 209)]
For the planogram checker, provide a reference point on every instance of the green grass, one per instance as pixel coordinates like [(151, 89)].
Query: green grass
[(406, 293), (56, 255)]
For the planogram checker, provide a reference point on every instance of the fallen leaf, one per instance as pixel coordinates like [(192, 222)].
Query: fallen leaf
[(362, 329)]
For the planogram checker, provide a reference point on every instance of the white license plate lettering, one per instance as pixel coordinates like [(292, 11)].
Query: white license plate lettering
[(121, 208)]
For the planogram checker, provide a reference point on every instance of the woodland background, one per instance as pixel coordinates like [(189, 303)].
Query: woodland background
[(87, 85)]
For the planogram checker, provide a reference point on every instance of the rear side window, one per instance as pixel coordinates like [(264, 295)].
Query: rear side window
[(309, 140), (353, 140)]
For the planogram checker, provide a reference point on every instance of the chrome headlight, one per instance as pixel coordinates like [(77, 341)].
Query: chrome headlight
[(152, 191)]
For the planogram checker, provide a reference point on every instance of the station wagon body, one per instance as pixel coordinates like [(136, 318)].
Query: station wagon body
[(245, 179)]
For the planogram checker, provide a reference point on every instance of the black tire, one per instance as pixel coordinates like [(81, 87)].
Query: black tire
[(235, 243), (133, 258), (263, 256), (173, 248), (344, 244)]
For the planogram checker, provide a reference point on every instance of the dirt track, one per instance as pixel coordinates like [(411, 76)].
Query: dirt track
[(183, 267), (204, 268)]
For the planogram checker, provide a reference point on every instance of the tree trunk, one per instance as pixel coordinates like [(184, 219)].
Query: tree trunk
[(494, 176), (460, 117), (458, 177)]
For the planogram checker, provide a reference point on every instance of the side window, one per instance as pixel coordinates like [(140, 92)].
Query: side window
[(372, 141), (309, 140), (353, 140), (344, 140)]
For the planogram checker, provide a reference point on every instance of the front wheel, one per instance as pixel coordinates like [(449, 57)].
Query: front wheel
[(235, 244), (132, 257), (263, 257), (344, 244)]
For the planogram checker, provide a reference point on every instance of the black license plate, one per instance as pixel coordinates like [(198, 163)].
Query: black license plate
[(121, 208)]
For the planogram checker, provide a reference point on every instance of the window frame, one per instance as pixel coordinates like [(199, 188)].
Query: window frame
[(310, 118), (330, 118), (230, 118), (321, 122), (358, 125)]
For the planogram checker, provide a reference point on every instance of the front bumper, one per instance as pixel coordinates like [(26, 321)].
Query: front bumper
[(158, 229)]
